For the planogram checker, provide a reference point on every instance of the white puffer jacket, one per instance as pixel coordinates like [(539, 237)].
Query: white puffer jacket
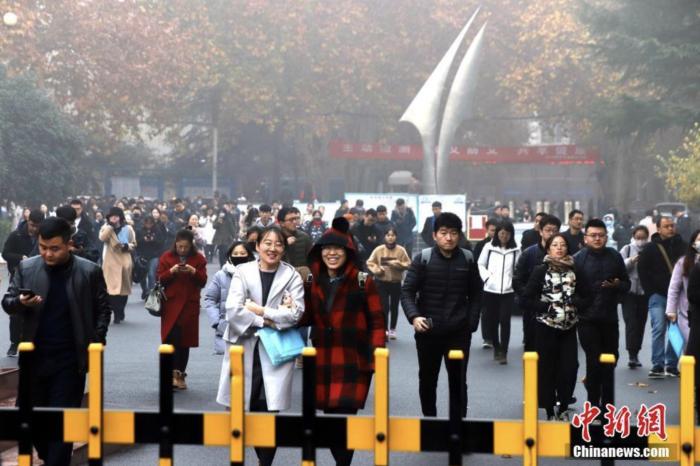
[(496, 266)]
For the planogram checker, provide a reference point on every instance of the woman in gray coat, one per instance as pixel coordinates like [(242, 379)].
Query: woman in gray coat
[(217, 291), (263, 293)]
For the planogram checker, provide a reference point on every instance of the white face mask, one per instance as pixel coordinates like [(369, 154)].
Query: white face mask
[(696, 245), (640, 242)]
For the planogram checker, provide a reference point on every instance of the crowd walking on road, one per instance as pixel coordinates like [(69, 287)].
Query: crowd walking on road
[(287, 275)]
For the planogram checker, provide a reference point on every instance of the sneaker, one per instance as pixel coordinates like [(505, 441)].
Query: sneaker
[(657, 372), (299, 363), (634, 362), (12, 352), (566, 415), (672, 372), (392, 334), (488, 344)]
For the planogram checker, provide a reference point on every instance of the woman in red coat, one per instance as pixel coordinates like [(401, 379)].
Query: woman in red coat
[(347, 321), (183, 272)]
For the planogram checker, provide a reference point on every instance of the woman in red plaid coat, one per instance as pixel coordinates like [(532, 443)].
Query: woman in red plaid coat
[(347, 322)]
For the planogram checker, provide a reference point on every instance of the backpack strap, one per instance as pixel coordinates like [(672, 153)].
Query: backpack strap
[(425, 256)]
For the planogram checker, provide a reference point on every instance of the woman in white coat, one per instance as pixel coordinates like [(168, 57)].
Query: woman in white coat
[(496, 266), (255, 300)]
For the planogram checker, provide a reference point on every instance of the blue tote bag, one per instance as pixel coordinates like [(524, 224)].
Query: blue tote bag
[(281, 345), (676, 338)]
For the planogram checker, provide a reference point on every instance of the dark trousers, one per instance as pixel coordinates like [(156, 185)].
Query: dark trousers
[(499, 308), (432, 349), (221, 249), (258, 403), (56, 383), (597, 338), (485, 327), (557, 363), (182, 355), (390, 293), (529, 330), (342, 456), (15, 329), (118, 304), (634, 311)]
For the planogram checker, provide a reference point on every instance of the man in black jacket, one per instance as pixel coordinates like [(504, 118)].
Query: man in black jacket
[(82, 245), (655, 266), (19, 245), (82, 221), (368, 235), (440, 297), (427, 232), (574, 235), (405, 220), (532, 236), (65, 310), (602, 271)]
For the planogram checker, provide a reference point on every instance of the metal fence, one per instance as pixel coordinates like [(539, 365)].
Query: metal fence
[(381, 433)]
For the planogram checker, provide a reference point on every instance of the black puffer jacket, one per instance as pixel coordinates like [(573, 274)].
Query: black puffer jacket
[(592, 269), (654, 273), (87, 294), (445, 289)]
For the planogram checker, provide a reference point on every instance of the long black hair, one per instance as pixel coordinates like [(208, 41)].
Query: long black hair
[(507, 226), (690, 255)]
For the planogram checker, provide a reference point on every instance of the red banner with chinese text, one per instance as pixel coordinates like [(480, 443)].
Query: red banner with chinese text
[(550, 154)]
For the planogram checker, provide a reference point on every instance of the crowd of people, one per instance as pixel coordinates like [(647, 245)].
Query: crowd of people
[(72, 270)]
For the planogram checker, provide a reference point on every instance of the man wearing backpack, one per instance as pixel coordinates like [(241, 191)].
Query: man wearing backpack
[(440, 297)]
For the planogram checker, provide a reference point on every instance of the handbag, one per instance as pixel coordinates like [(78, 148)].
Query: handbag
[(155, 299), (140, 269), (675, 337), (281, 345)]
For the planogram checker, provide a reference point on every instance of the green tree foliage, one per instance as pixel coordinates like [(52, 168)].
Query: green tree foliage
[(682, 168), (41, 153), (655, 48)]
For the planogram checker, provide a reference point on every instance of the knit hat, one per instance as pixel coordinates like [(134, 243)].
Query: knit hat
[(118, 212), (336, 235)]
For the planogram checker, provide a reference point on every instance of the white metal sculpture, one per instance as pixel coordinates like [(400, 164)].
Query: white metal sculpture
[(424, 110)]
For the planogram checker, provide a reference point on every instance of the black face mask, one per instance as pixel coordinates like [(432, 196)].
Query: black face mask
[(238, 260)]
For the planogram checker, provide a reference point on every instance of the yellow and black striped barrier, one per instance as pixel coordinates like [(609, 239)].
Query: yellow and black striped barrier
[(380, 433)]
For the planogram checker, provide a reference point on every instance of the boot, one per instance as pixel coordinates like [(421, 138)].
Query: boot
[(179, 380)]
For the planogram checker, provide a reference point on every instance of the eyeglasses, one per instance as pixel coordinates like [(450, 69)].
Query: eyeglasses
[(597, 235)]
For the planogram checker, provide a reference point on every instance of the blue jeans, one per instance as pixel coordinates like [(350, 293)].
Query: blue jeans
[(657, 313), (149, 282)]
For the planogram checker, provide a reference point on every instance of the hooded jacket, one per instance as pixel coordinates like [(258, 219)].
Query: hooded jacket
[(496, 267), (348, 324), (654, 272)]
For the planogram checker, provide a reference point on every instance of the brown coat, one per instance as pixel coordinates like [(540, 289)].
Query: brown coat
[(117, 265)]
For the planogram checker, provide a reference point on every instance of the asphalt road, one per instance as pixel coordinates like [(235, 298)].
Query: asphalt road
[(495, 392)]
